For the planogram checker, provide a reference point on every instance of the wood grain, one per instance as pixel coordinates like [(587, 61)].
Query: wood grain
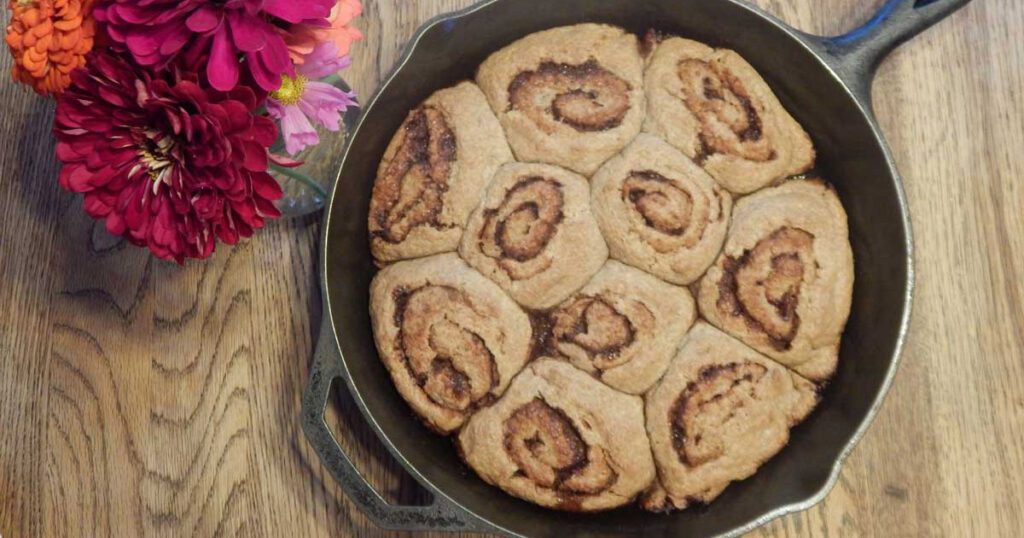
[(142, 398)]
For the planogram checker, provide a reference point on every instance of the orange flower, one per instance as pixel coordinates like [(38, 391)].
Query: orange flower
[(303, 38), (49, 39)]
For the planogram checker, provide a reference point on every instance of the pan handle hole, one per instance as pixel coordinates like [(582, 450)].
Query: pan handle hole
[(923, 3), (356, 438)]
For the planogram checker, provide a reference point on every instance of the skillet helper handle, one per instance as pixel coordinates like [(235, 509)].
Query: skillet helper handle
[(855, 55), (326, 370)]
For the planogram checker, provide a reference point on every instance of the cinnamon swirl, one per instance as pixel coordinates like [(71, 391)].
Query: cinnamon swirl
[(659, 211), (571, 96), (622, 327), (720, 411), (714, 107), (451, 339), (561, 439), (433, 174), (534, 234), (784, 281)]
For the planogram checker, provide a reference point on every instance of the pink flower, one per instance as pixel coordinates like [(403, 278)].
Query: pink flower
[(303, 38), (169, 164), (218, 32), (300, 101)]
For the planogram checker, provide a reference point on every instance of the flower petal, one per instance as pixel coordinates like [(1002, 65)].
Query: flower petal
[(265, 78), (223, 67), (248, 32), (297, 131), (293, 11), (204, 19), (325, 105), (323, 61), (255, 157), (264, 186)]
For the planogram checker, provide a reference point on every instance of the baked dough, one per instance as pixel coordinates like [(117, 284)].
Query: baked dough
[(623, 327), (659, 211), (784, 281), (714, 107), (534, 234), (720, 411), (571, 96), (561, 439), (433, 174), (451, 339)]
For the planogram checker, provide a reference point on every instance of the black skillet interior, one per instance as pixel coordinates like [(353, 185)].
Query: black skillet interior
[(850, 156)]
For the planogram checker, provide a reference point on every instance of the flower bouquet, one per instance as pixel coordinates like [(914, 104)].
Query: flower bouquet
[(171, 114)]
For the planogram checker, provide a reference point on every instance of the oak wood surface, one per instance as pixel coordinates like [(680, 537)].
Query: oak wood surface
[(142, 398)]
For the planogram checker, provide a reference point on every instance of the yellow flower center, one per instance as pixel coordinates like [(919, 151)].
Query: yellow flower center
[(155, 153), (291, 90)]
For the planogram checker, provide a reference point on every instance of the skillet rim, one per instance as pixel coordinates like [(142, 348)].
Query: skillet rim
[(856, 84)]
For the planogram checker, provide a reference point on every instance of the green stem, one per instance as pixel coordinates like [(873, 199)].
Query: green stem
[(333, 79), (300, 177)]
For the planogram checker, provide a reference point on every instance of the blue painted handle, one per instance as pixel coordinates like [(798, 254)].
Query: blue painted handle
[(855, 55), (896, 22)]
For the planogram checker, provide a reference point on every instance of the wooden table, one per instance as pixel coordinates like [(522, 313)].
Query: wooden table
[(139, 397)]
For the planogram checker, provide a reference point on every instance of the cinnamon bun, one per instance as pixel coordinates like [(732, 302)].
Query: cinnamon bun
[(451, 339), (622, 327), (534, 234), (720, 411), (659, 211), (561, 439), (714, 107), (571, 96), (433, 174), (784, 281)]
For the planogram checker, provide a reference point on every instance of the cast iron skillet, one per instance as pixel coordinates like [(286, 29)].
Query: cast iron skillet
[(824, 82)]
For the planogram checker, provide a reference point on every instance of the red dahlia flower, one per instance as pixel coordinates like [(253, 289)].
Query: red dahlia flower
[(215, 31), (168, 164)]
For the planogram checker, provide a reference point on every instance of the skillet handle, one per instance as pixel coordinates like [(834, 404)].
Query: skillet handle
[(440, 515), (856, 55)]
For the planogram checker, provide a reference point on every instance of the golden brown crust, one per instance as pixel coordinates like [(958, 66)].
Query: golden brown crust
[(714, 107)]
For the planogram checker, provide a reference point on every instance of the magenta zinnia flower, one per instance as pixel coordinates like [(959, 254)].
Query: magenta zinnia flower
[(169, 165), (218, 32), (301, 99)]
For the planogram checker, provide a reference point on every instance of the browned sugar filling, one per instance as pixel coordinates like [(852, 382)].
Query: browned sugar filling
[(586, 97), (409, 191), (707, 406), (731, 122), (662, 204), (542, 342), (594, 325), (519, 229), (450, 362), (762, 286), (549, 450)]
